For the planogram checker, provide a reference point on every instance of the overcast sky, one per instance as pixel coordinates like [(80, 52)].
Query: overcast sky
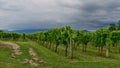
[(40, 14)]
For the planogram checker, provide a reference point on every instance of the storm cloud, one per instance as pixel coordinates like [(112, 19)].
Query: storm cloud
[(37, 14)]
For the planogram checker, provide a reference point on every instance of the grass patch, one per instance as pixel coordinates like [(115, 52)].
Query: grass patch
[(53, 60)]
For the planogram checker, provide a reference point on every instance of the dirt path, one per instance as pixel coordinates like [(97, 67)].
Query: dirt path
[(15, 47), (34, 61)]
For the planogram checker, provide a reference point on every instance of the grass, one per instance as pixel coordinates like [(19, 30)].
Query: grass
[(53, 60)]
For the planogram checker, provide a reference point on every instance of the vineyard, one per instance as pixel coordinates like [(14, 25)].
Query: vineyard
[(67, 47)]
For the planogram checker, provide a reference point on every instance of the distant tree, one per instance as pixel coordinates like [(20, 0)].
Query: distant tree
[(112, 27), (15, 36), (1, 31), (24, 36), (119, 25)]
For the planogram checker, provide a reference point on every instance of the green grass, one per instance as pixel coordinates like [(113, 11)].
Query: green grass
[(53, 60)]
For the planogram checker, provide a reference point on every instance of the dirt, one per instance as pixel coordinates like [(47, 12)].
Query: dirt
[(15, 51), (34, 61), (6, 45), (32, 52), (13, 46)]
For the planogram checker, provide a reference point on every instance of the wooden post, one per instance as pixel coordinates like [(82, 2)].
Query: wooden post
[(71, 48)]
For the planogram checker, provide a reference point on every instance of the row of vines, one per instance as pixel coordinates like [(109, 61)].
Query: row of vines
[(70, 38)]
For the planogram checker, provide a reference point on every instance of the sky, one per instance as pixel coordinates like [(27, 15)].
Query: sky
[(42, 14)]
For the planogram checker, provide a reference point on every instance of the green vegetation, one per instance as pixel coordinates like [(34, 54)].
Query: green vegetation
[(63, 47), (53, 60)]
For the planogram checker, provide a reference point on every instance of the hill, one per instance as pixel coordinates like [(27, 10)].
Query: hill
[(26, 30)]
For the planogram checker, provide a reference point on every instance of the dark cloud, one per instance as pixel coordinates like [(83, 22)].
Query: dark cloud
[(95, 13), (80, 14)]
